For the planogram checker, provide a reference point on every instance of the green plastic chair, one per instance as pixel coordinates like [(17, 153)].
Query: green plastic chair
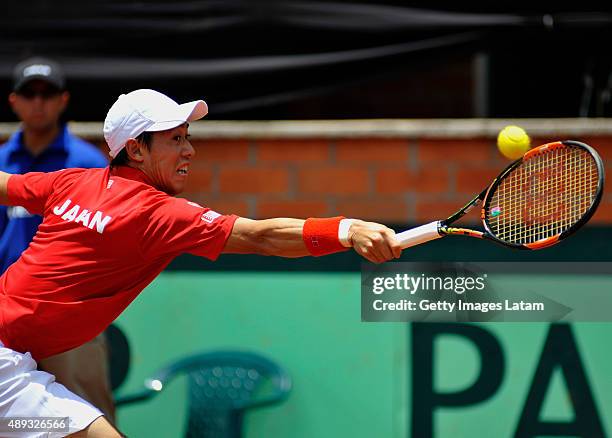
[(222, 386)]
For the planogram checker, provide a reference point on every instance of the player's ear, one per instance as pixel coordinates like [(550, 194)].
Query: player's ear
[(134, 149)]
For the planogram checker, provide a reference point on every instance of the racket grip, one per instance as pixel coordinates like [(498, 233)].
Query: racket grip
[(418, 235)]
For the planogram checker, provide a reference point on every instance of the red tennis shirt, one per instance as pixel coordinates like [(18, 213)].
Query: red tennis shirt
[(106, 234)]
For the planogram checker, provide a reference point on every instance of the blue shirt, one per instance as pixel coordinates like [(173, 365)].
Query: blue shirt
[(17, 225)]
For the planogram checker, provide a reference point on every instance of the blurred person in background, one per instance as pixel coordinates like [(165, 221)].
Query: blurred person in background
[(44, 144)]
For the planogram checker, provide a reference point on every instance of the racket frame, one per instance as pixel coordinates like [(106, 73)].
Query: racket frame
[(486, 195)]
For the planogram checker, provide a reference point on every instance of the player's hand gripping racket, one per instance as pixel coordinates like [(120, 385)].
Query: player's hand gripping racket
[(534, 203)]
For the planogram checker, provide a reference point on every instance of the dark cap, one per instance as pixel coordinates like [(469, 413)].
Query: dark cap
[(38, 68)]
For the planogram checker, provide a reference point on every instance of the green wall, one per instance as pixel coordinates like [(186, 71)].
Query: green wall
[(351, 379)]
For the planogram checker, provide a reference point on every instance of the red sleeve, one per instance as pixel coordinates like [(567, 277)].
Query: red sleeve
[(31, 190), (177, 226)]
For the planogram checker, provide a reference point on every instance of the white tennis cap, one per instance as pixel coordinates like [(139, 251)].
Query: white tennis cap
[(146, 110)]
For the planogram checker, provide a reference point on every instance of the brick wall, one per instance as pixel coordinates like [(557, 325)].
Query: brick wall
[(403, 178), (394, 180)]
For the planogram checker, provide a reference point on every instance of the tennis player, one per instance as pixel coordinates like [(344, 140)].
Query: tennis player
[(107, 233)]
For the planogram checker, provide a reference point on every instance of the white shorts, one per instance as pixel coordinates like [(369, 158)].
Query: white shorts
[(28, 392)]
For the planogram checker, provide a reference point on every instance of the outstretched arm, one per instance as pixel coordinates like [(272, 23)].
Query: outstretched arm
[(284, 237), (4, 177)]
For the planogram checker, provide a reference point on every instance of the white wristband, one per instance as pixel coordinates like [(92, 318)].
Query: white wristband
[(343, 232)]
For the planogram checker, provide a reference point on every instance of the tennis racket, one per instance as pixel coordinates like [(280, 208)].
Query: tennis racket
[(537, 201)]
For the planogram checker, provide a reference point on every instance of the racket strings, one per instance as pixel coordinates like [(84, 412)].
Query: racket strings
[(543, 196)]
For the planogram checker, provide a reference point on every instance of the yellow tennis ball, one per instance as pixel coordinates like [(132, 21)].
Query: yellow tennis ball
[(513, 142)]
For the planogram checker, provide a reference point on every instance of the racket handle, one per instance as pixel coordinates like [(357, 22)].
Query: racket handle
[(418, 235)]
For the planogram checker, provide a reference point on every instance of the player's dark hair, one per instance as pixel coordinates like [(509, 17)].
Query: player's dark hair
[(122, 157)]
